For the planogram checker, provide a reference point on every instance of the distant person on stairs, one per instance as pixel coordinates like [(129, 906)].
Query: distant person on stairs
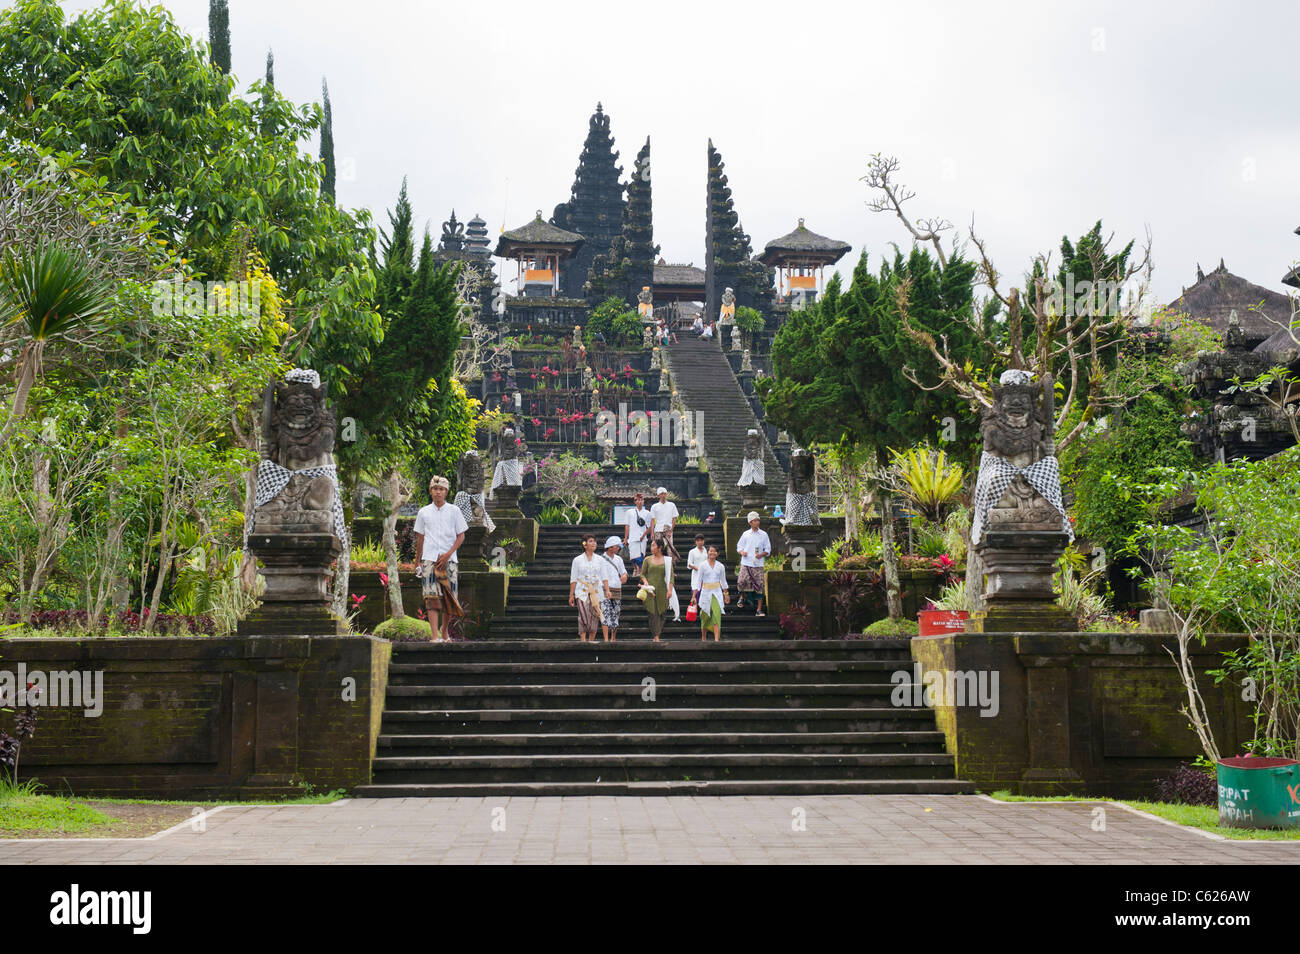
[(654, 572), (439, 531), (713, 594), (754, 548), (636, 531), (616, 576), (588, 583)]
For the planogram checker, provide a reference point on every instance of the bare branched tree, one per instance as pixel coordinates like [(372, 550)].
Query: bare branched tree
[(1039, 328)]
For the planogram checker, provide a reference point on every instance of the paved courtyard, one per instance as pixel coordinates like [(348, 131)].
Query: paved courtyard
[(872, 829)]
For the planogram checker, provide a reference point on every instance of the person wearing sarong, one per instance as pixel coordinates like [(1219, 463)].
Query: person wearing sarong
[(616, 576), (654, 573), (713, 594), (588, 582), (439, 531), (754, 548), (636, 531)]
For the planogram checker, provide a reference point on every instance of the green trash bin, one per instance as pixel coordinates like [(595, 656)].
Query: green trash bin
[(1259, 792)]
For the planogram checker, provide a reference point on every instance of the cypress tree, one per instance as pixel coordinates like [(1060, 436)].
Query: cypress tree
[(396, 272), (327, 144), (219, 34), (267, 125)]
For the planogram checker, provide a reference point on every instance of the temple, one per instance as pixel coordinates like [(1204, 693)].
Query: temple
[(801, 258)]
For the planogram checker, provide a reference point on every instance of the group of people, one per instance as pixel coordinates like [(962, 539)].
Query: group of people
[(701, 327), (596, 579)]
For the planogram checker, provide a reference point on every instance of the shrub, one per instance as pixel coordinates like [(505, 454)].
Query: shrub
[(848, 591), (620, 325), (749, 320), (404, 629), (1188, 786), (889, 627), (796, 622)]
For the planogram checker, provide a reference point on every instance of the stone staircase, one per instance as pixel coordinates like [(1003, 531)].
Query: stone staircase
[(740, 717), (704, 380), (537, 605)]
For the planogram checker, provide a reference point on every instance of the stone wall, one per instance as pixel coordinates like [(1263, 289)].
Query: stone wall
[(1076, 713), (207, 717), (812, 588)]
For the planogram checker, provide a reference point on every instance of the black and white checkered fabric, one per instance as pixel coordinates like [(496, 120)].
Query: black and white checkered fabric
[(272, 478), (800, 509), (465, 504), (304, 374), (751, 472), (508, 472), (996, 474)]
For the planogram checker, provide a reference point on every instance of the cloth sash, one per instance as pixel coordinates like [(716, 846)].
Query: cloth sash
[(996, 474)]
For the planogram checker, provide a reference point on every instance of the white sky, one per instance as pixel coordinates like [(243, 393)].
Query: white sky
[(1035, 118)]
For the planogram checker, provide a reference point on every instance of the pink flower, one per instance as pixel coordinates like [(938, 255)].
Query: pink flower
[(383, 579)]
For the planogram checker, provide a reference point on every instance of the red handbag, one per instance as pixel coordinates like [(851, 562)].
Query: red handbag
[(693, 611)]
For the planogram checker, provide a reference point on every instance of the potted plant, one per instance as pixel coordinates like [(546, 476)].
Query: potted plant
[(947, 614)]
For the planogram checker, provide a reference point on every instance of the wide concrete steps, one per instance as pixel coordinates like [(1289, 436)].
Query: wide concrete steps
[(540, 717)]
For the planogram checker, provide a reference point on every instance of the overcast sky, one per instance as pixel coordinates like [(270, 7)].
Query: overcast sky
[(1034, 118)]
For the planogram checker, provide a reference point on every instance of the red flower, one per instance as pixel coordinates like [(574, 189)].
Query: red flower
[(383, 579)]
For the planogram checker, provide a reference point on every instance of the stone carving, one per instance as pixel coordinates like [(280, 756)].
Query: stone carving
[(727, 313), (801, 490), (645, 306), (746, 363), (297, 484), (509, 470), (655, 362), (737, 339), (470, 498), (648, 337), (588, 378), (577, 337), (1019, 483), (752, 466), (607, 453)]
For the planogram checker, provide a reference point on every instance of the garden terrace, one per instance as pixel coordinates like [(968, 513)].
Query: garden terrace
[(548, 313)]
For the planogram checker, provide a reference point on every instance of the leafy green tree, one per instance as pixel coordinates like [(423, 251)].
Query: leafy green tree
[(838, 369), (193, 153), (619, 324), (219, 33)]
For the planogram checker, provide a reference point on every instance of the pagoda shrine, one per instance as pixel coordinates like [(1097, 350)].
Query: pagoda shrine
[(801, 258), (538, 249)]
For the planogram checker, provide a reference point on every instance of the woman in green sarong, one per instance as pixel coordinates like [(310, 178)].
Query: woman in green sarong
[(653, 573)]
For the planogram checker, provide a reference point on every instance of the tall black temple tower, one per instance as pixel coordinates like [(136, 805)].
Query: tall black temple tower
[(729, 262), (595, 206)]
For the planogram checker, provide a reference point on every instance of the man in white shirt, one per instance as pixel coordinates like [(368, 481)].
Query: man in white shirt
[(754, 547), (662, 517), (439, 531), (636, 532)]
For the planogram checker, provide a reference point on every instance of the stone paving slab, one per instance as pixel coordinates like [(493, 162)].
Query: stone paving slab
[(857, 829)]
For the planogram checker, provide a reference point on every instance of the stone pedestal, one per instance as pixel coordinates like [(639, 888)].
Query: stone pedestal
[(470, 555), (296, 567), (752, 497), (1019, 566), (807, 539), (505, 501)]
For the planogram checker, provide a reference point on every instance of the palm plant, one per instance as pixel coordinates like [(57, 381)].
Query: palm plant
[(928, 480), (46, 293)]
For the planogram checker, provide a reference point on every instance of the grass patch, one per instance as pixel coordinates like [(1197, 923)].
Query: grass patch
[(1204, 817), (22, 810)]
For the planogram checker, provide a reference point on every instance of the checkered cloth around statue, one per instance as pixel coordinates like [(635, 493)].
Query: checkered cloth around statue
[(996, 474), (751, 472), (272, 478), (465, 504), (508, 472), (799, 509)]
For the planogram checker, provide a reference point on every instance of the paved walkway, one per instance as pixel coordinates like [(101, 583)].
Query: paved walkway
[(880, 829)]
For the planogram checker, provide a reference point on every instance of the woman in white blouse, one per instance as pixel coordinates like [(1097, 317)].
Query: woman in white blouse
[(713, 595)]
